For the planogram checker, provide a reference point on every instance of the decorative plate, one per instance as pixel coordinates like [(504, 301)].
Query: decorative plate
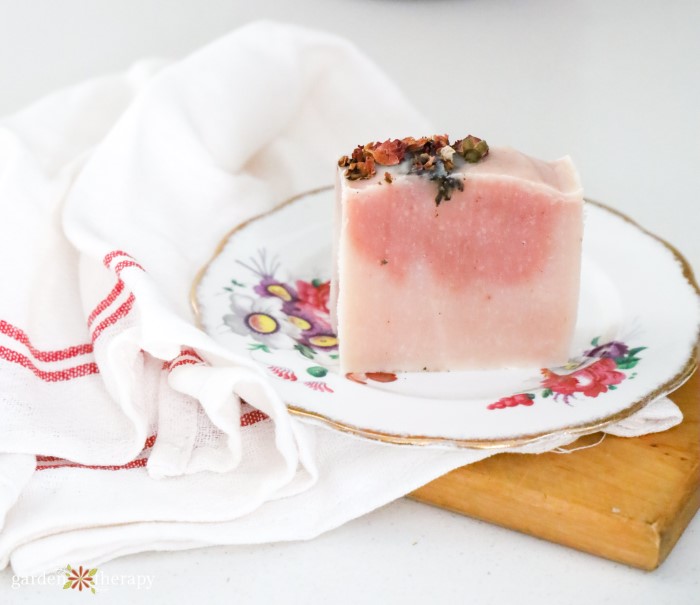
[(265, 294)]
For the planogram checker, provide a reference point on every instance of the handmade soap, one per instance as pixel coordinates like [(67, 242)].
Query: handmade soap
[(453, 256)]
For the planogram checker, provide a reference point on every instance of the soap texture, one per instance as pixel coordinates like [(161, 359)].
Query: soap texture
[(484, 275)]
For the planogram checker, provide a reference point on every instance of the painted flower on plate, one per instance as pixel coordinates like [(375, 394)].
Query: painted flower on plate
[(612, 349), (321, 341), (314, 294), (512, 401), (596, 378), (306, 318), (271, 287), (261, 319), (591, 381), (559, 384)]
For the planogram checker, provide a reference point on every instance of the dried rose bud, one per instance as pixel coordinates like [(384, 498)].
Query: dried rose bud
[(388, 153), (472, 149), (440, 140), (361, 170), (414, 145), (358, 154)]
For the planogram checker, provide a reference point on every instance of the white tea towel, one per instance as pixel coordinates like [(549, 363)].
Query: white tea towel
[(113, 193)]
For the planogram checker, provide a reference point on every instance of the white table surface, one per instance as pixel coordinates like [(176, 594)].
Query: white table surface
[(615, 84)]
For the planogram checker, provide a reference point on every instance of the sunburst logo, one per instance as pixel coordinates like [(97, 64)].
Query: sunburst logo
[(80, 578)]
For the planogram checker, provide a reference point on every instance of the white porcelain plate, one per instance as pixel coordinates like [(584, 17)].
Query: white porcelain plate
[(265, 294)]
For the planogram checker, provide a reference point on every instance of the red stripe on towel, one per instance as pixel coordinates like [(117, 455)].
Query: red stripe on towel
[(138, 463), (253, 417), (118, 287), (80, 371), (120, 313), (57, 355), (111, 297), (124, 264), (247, 419), (109, 257), (183, 362)]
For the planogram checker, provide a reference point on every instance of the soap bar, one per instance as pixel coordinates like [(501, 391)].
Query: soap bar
[(453, 256)]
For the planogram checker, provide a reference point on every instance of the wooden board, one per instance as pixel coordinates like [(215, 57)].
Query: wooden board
[(628, 500)]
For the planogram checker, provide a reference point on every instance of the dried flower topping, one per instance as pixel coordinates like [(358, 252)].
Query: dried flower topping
[(433, 156), (388, 153), (472, 149), (413, 145), (422, 162), (439, 141), (446, 153), (446, 186), (360, 166)]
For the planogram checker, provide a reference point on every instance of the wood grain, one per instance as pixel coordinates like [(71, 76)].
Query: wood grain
[(628, 500)]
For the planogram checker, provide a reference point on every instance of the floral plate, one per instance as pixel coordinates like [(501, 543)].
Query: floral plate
[(265, 294)]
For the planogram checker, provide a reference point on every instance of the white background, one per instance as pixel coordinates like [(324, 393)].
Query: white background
[(614, 84)]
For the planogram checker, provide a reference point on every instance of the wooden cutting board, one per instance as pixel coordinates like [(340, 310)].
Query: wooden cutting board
[(628, 500)]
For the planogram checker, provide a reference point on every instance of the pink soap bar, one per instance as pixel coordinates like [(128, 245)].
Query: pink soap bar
[(476, 266)]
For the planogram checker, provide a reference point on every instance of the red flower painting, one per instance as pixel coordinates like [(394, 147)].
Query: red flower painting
[(596, 378), (314, 294), (512, 401)]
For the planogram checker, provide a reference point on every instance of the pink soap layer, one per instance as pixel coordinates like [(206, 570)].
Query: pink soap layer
[(487, 279)]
